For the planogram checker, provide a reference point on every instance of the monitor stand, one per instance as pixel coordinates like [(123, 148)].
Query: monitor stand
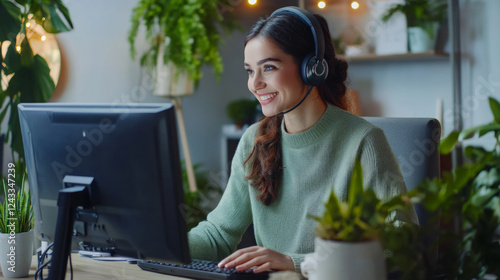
[(75, 194)]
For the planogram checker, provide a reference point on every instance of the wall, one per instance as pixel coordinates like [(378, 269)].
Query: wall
[(98, 68), (481, 61)]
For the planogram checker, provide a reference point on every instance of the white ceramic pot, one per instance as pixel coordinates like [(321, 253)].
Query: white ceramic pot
[(16, 252), (345, 260), (422, 39), (355, 50), (169, 80)]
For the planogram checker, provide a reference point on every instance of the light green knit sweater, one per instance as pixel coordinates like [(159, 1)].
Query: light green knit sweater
[(315, 161)]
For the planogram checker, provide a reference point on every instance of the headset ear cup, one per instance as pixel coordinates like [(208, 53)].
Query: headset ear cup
[(306, 67), (314, 72)]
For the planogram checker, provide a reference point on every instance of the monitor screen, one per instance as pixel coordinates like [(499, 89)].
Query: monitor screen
[(130, 155)]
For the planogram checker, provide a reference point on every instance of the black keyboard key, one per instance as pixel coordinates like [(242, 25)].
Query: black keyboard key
[(203, 270)]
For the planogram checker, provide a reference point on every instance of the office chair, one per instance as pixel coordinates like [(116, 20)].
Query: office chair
[(415, 143)]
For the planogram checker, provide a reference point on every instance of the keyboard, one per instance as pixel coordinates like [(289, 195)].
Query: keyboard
[(203, 270)]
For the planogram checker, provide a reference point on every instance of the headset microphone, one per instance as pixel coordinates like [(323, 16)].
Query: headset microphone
[(297, 105)]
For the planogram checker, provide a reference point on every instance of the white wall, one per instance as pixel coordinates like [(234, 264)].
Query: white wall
[(412, 88), (98, 68), (481, 61)]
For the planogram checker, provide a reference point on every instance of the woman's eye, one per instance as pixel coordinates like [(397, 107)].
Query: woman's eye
[(249, 71), (269, 68)]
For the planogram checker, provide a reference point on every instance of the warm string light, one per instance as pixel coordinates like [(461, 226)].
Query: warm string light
[(321, 4), (354, 5), (34, 29)]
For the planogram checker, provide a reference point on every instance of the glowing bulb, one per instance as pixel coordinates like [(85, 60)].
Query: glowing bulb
[(18, 49), (354, 5), (28, 24), (252, 2), (43, 38), (321, 4)]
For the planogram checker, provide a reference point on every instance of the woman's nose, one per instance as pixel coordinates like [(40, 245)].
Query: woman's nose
[(257, 83)]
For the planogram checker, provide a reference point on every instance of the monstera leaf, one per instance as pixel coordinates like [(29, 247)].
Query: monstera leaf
[(28, 75)]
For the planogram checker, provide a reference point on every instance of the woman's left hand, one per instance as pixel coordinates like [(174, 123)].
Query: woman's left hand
[(260, 258)]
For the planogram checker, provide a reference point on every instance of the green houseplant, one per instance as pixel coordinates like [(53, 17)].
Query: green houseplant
[(467, 199), (200, 202), (25, 77), (422, 18), (362, 224), (186, 32), (242, 111), (16, 228)]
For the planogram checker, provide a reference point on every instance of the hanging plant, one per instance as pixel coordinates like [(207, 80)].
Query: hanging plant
[(188, 30)]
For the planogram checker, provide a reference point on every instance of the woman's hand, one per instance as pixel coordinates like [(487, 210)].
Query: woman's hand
[(259, 257)]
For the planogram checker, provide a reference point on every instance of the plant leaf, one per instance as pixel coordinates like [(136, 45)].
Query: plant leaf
[(355, 193), (447, 144), (475, 152), (479, 130), (495, 109), (33, 82), (11, 20), (12, 60), (333, 209), (47, 15)]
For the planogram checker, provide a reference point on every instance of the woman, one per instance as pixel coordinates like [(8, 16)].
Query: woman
[(286, 165)]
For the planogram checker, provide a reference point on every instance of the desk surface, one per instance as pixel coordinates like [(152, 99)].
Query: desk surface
[(85, 268), (88, 269)]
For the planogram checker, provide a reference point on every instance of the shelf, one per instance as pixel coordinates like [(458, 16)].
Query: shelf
[(430, 55)]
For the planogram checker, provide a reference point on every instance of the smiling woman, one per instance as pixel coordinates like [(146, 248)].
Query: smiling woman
[(273, 76), (287, 164)]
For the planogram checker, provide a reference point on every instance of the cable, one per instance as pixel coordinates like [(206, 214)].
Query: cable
[(297, 105), (41, 264), (70, 267)]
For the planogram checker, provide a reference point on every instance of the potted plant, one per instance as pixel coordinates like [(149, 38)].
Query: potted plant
[(183, 35), (423, 18), (350, 239), (25, 76), (16, 228), (200, 202), (467, 200), (242, 111)]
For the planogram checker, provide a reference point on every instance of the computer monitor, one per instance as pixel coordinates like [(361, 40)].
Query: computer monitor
[(126, 157)]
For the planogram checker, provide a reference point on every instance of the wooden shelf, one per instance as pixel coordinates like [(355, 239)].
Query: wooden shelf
[(430, 55)]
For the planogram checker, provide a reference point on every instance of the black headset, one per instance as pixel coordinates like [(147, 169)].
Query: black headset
[(314, 68)]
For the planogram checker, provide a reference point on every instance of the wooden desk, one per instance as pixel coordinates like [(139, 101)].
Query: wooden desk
[(88, 269)]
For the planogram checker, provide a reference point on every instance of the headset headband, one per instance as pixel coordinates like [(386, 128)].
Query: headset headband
[(312, 22)]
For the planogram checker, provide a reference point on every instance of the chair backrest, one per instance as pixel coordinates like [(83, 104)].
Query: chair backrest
[(415, 143)]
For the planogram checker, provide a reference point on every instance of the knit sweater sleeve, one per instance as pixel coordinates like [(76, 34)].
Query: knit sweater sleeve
[(217, 236), (381, 170)]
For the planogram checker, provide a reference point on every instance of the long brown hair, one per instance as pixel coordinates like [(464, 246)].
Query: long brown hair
[(294, 38)]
